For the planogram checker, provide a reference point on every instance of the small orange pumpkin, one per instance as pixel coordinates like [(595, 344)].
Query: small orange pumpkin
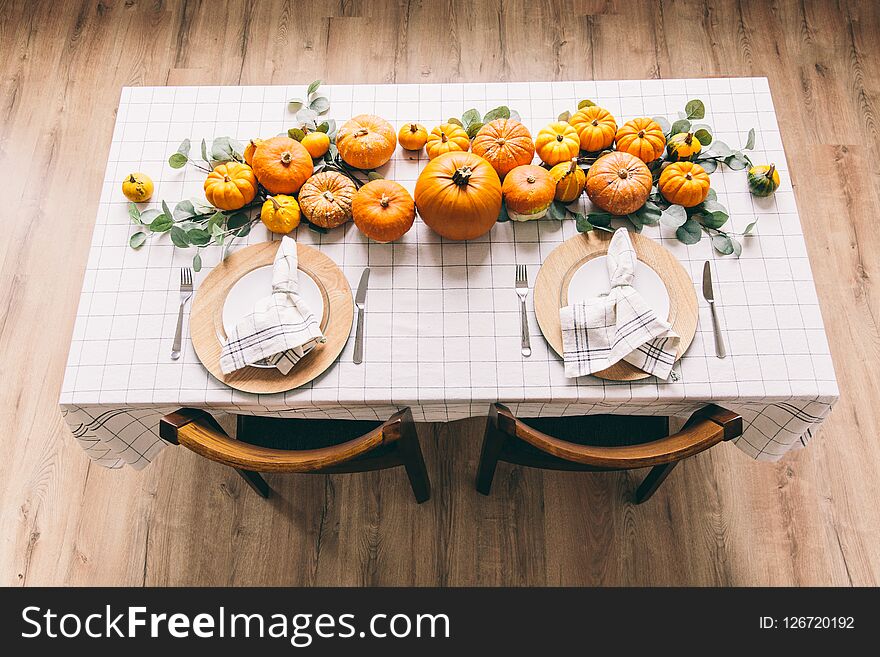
[(595, 127), (367, 141), (569, 179), (250, 149), (383, 210), (684, 183), (619, 183), (506, 144), (412, 136), (528, 192), (458, 195), (282, 165), (325, 199), (230, 186), (558, 142), (446, 138), (643, 138)]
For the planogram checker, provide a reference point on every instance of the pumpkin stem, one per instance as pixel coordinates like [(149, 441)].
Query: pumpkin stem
[(623, 173), (574, 165), (384, 201), (688, 176), (689, 138), (131, 179), (413, 128), (443, 137), (558, 137), (595, 122), (286, 158), (361, 132), (501, 141), (641, 134), (530, 180), (275, 203), (328, 196), (770, 171), (462, 176), (226, 179)]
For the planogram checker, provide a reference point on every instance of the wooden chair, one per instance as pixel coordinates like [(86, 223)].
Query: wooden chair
[(621, 443), (271, 444)]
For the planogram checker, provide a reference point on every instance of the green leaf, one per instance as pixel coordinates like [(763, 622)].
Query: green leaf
[(221, 150), (313, 87), (737, 161), (184, 210), (682, 125), (502, 112), (689, 232), (148, 215), (306, 115), (320, 104), (237, 220), (166, 210), (673, 216), (295, 105), (709, 165), (711, 195), (217, 233), (502, 214), (374, 175), (585, 103), (649, 214), (332, 152), (324, 127), (296, 133), (455, 121), (197, 262), (712, 219), (711, 205), (179, 238), (198, 236), (244, 230), (750, 228), (636, 221), (721, 149), (663, 123), (737, 246), (600, 219), (722, 244), (470, 117), (565, 116), (205, 152), (695, 109), (137, 240), (556, 211), (750, 140), (134, 213), (161, 224), (184, 147), (473, 129), (704, 136), (581, 222), (177, 160), (515, 115)]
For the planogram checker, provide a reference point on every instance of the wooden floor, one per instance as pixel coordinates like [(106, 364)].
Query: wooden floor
[(721, 519)]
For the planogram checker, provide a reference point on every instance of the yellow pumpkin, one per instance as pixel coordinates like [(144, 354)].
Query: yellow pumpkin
[(595, 127), (528, 191), (569, 179), (684, 183), (412, 136), (137, 187), (447, 138), (366, 141), (505, 143), (383, 210), (326, 197), (558, 142), (250, 149), (231, 186), (280, 213), (643, 138), (683, 146), (317, 143)]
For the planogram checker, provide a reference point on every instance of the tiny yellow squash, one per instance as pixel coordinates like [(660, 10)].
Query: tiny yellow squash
[(558, 142), (570, 180)]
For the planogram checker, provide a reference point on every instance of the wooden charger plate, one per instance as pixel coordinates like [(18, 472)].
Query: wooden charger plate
[(206, 319), (551, 291)]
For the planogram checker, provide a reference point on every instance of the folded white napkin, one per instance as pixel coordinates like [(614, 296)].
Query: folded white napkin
[(281, 329), (619, 325)]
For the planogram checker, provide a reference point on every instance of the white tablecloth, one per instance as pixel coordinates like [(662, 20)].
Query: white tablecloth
[(442, 324)]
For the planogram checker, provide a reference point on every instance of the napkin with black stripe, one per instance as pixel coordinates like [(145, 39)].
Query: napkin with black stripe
[(281, 329), (618, 325)]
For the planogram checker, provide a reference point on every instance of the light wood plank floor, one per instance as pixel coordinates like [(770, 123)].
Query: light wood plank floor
[(721, 519)]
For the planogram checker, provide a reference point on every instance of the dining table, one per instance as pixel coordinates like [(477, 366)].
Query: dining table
[(442, 323)]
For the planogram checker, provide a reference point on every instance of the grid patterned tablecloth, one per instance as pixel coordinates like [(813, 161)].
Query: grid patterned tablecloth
[(442, 325)]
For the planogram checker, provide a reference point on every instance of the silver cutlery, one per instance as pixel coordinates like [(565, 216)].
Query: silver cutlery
[(709, 295), (186, 291), (522, 291), (360, 300)]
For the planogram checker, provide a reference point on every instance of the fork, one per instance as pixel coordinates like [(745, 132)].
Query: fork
[(186, 291), (522, 291)]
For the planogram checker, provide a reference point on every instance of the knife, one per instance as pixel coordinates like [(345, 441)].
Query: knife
[(709, 295), (360, 300)]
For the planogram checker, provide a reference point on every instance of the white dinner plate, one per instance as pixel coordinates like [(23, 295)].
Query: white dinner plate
[(257, 284), (591, 279)]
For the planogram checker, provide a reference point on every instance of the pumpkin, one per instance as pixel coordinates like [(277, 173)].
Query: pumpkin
[(505, 143), (569, 179), (682, 146), (137, 187), (325, 199), (367, 141), (528, 191), (684, 183), (458, 195), (446, 138), (643, 138), (619, 183), (317, 143), (230, 186), (280, 213), (556, 143), (281, 164), (763, 180), (595, 127), (383, 210), (412, 136), (250, 149)]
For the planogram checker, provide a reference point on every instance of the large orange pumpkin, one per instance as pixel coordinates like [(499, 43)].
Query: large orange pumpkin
[(281, 164), (558, 142), (643, 138), (684, 183), (528, 191), (383, 210), (570, 180), (446, 138), (230, 186), (367, 141), (595, 127), (458, 195), (326, 197), (505, 143), (619, 183)]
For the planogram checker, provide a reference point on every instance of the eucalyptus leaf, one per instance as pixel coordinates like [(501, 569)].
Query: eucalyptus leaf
[(585, 103), (165, 209), (663, 123), (515, 115), (695, 109), (673, 216), (712, 219), (179, 238), (502, 112), (565, 116), (711, 195), (750, 228), (161, 224), (221, 150), (148, 215), (197, 262), (722, 244), (177, 160), (711, 205), (737, 246), (455, 121), (184, 210), (305, 115), (134, 213), (636, 221), (721, 149), (750, 140), (581, 222), (331, 129), (244, 230), (313, 87), (682, 125), (295, 105), (470, 117), (320, 104), (649, 214), (237, 220), (324, 127), (374, 175), (184, 147), (709, 165), (198, 236), (689, 232), (137, 240), (296, 133), (600, 219), (332, 152), (704, 136), (217, 233), (737, 162), (502, 214), (473, 129), (556, 211)]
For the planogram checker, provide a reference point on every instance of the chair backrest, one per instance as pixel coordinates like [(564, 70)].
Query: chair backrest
[(198, 431), (705, 428)]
